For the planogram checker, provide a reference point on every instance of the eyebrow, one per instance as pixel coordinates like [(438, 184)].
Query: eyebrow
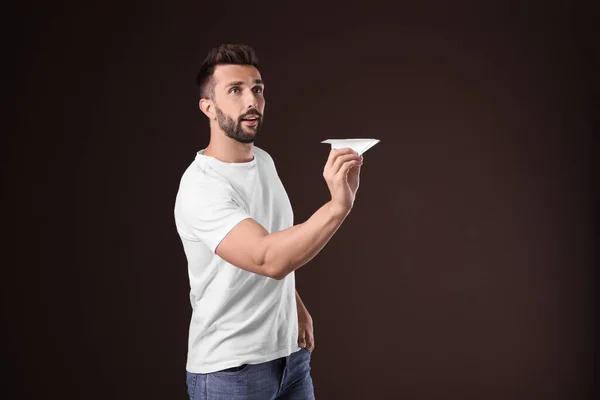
[(240, 83)]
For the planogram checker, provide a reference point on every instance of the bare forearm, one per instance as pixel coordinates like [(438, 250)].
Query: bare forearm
[(289, 249), (300, 305)]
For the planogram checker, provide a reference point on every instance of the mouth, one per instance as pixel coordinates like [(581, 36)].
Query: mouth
[(251, 120)]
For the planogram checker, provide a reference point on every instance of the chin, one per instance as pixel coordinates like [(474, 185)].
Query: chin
[(252, 134)]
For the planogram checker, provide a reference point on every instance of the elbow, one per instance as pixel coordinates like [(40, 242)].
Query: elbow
[(278, 276), (269, 263), (274, 271), (277, 270), (273, 264)]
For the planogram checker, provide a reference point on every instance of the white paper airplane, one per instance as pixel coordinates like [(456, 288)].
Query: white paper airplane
[(358, 145)]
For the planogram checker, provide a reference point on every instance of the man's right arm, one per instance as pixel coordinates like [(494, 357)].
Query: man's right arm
[(249, 246)]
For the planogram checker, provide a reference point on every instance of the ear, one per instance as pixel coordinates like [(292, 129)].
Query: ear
[(206, 106)]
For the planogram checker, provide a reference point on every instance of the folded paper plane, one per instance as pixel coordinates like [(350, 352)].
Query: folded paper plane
[(358, 145)]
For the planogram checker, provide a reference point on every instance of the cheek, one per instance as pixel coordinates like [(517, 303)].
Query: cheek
[(232, 111), (229, 105)]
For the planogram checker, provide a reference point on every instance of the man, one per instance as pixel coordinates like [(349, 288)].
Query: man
[(250, 335)]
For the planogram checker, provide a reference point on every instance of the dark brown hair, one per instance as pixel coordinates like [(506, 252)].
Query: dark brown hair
[(239, 54)]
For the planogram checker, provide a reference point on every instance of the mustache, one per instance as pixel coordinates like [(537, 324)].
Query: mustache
[(251, 112)]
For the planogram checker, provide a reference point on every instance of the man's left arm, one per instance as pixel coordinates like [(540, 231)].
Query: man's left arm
[(306, 336)]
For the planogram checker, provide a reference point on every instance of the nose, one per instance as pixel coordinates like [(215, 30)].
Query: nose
[(251, 100)]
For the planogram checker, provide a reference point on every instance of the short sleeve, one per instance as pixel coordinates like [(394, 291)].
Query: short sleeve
[(210, 212)]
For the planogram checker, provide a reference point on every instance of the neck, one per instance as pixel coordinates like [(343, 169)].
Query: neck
[(226, 149)]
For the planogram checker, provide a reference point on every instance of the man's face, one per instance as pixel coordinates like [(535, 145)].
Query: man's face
[(239, 101)]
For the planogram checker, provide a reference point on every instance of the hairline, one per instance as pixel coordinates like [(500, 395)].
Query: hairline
[(210, 83)]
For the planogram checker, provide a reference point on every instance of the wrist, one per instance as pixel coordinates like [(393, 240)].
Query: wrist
[(304, 318), (337, 210)]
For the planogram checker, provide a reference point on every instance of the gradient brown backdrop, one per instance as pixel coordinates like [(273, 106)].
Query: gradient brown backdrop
[(464, 270)]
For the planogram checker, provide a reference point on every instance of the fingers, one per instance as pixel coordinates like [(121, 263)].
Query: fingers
[(348, 165), (356, 169), (343, 160), (307, 344), (335, 153)]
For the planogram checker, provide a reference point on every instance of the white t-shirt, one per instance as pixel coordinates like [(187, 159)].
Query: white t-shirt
[(238, 317)]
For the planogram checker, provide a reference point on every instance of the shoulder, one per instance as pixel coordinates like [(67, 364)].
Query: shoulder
[(199, 184), (263, 156)]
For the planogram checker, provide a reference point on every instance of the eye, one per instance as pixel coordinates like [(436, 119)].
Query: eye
[(257, 89), (234, 90)]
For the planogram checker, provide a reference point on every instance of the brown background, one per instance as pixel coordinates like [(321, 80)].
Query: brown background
[(464, 270)]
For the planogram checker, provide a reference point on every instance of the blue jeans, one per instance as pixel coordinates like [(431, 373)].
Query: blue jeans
[(286, 378)]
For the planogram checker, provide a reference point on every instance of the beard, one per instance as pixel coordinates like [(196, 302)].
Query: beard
[(235, 130)]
